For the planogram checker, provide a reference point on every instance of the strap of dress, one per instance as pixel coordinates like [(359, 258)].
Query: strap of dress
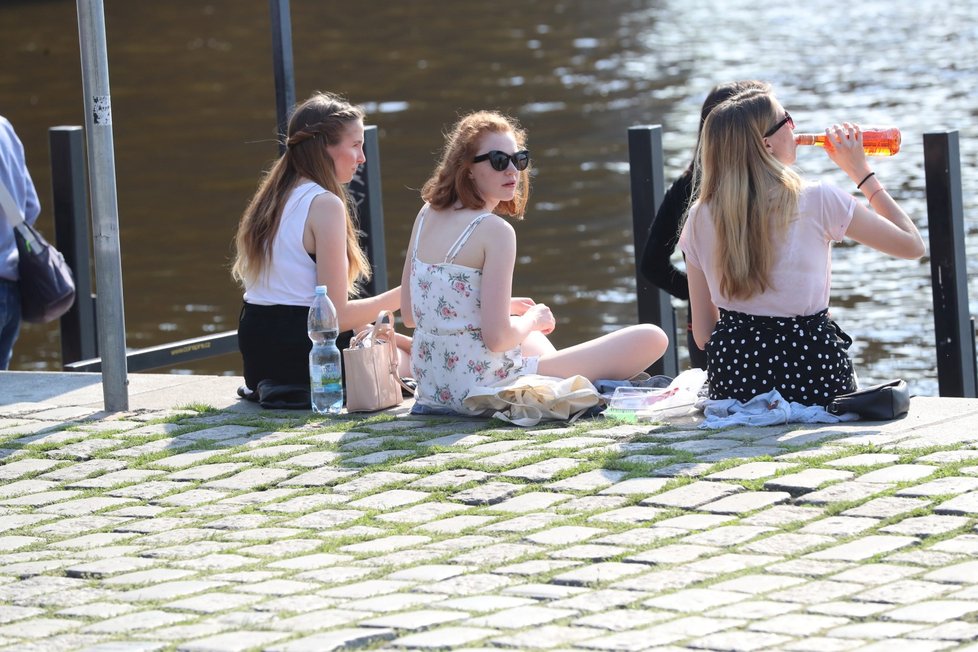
[(417, 236), (457, 247)]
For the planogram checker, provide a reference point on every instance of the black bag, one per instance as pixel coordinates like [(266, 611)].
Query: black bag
[(47, 287), (877, 403)]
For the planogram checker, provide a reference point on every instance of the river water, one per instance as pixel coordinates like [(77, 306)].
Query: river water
[(194, 120)]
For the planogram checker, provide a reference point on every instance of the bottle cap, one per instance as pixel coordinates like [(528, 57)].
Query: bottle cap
[(320, 289)]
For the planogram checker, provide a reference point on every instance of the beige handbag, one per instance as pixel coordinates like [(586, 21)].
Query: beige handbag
[(370, 367)]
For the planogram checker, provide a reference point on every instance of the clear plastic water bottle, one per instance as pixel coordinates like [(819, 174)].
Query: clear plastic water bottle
[(325, 373)]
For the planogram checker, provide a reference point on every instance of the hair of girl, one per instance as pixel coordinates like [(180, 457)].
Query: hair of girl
[(752, 196), (319, 121), (451, 183)]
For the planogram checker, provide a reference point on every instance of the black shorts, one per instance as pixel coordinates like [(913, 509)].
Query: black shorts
[(274, 344), (805, 359)]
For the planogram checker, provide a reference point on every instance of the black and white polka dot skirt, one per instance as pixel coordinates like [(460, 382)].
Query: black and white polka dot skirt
[(804, 358)]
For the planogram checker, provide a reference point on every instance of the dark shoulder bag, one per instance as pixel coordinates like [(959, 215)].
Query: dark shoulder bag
[(882, 402), (47, 287)]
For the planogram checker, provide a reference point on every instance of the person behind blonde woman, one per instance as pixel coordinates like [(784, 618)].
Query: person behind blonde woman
[(299, 232), (758, 245), (456, 287)]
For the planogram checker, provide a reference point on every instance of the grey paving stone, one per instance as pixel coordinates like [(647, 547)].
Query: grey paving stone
[(548, 636), (752, 609), (899, 473), (952, 485), (456, 524), (693, 522), (788, 544), (874, 631), (632, 514), (40, 499), (588, 481), (598, 573), (442, 638), (536, 567), (136, 621), (693, 495), (619, 620), (209, 603), (749, 501), (83, 470), (751, 471), (544, 592), (587, 504), (20, 468), (340, 639), (926, 526), (959, 505), (323, 477), (864, 548), (544, 470), (386, 544), (151, 576), (449, 479), (112, 566), (84, 450), (672, 554), (485, 603), (325, 519), (24, 487), (964, 573), (903, 592), (169, 590), (634, 486), (863, 460), (840, 525), (963, 543), (739, 641), (490, 493), (11, 613), (499, 553), (849, 608), (798, 624), (531, 501), (249, 479), (806, 480), (887, 507), (472, 584), (758, 584), (521, 617), (815, 592), (728, 535), (589, 552), (457, 439), (955, 630), (390, 499), (693, 600), (558, 536), (843, 492), (598, 600), (781, 515), (823, 644), (683, 470), (231, 641), (932, 611), (875, 574)]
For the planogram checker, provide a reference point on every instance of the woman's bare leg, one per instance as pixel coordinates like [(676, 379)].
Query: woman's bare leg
[(615, 356), (536, 343)]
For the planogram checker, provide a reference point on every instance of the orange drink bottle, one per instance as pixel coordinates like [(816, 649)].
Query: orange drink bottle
[(877, 141)]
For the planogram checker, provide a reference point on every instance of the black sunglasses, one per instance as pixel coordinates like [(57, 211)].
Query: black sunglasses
[(500, 160), (785, 120)]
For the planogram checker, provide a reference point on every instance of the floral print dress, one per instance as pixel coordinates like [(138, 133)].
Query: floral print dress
[(448, 355)]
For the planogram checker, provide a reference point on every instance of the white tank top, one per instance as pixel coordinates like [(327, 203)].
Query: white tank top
[(290, 280)]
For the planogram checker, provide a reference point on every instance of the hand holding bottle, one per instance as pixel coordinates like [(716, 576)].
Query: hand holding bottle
[(876, 141), (844, 145)]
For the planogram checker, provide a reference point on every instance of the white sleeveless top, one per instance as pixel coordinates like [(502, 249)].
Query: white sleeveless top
[(290, 279)]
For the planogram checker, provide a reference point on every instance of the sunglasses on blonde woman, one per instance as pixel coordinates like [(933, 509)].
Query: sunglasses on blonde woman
[(785, 120), (500, 160)]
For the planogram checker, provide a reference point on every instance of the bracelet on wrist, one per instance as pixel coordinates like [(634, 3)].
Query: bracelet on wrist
[(865, 179), (876, 193)]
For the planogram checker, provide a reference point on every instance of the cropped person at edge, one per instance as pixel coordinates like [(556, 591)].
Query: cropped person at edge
[(656, 264), (13, 174), (457, 281), (758, 252), (299, 232)]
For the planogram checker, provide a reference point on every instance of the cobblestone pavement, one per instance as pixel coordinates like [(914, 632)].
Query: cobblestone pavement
[(205, 530)]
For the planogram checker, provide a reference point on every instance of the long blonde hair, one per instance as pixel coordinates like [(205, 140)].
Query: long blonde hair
[(319, 121), (451, 183), (752, 195)]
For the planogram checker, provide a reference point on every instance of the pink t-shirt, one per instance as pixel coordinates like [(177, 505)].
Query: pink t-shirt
[(802, 272)]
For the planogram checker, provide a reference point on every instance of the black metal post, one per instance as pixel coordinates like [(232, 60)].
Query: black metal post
[(282, 61), (646, 163), (365, 192), (69, 186), (953, 328)]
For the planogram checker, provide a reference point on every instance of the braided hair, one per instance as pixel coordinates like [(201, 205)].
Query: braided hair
[(319, 121)]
